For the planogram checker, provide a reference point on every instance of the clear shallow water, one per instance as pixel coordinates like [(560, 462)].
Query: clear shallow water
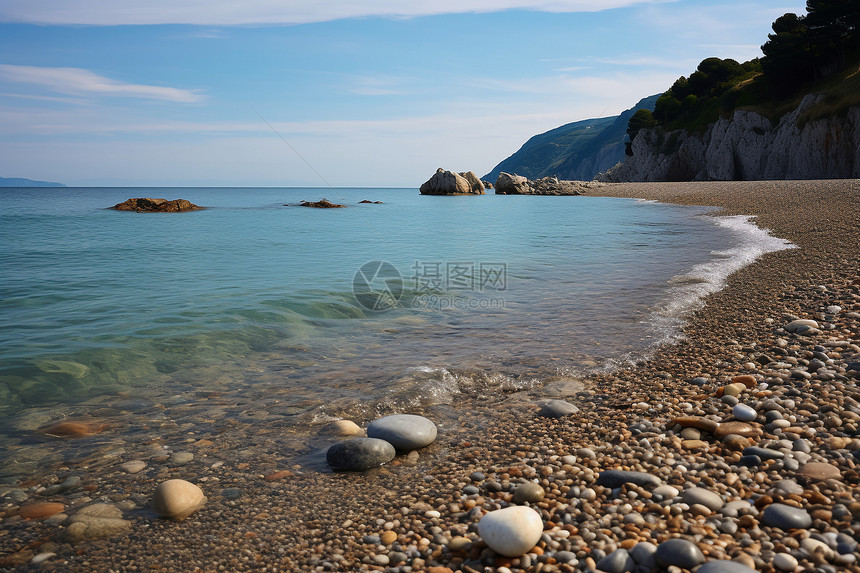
[(251, 297)]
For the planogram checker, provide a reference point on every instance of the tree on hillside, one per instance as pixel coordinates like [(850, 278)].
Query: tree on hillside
[(834, 30), (642, 119), (788, 53)]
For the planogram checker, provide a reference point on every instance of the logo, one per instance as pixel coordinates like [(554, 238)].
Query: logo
[(377, 285)]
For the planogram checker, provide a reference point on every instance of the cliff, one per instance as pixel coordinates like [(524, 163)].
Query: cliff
[(575, 151), (749, 147)]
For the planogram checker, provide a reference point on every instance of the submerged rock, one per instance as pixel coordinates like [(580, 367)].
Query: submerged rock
[(322, 204), (150, 205), (96, 521)]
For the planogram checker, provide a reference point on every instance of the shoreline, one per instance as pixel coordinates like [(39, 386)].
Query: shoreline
[(304, 520)]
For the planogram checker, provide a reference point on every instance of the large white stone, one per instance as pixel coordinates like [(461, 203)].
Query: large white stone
[(511, 531), (403, 431), (177, 499)]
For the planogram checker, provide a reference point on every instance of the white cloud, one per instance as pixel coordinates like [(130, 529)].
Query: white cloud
[(230, 12), (77, 81)]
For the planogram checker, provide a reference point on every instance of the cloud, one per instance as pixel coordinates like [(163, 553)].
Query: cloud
[(77, 81), (230, 12)]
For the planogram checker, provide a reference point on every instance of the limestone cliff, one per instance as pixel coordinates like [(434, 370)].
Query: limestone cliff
[(749, 147)]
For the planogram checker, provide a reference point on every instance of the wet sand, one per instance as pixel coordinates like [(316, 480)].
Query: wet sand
[(420, 512)]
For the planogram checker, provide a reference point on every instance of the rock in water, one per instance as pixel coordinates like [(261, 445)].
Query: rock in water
[(449, 183), (177, 499), (403, 431), (557, 409), (149, 205), (94, 522), (359, 454), (511, 531)]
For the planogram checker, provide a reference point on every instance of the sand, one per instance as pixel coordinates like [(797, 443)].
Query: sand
[(421, 514)]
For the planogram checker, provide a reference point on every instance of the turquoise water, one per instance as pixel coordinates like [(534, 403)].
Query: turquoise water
[(493, 293)]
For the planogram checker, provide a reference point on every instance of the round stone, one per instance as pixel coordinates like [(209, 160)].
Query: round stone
[(744, 413), (619, 561), (511, 531), (177, 499), (819, 471), (680, 553), (643, 553), (404, 431), (784, 562), (359, 454), (40, 510), (701, 496), (557, 409), (786, 517), (800, 325), (740, 428), (529, 492), (344, 428), (132, 466)]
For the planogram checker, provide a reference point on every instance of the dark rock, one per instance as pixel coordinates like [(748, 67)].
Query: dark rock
[(680, 553), (149, 205), (617, 478), (619, 561), (370, 202), (323, 204), (786, 517), (359, 454)]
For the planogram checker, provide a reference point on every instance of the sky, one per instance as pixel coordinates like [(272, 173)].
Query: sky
[(331, 92)]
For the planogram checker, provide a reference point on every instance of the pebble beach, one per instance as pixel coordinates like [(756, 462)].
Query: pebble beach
[(735, 449)]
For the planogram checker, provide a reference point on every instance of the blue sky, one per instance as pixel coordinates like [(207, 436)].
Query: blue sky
[(331, 92)]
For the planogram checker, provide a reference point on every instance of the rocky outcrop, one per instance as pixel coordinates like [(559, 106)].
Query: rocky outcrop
[(508, 184), (749, 147), (149, 205), (323, 204), (449, 183)]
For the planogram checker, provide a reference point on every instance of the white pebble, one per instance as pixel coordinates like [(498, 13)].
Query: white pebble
[(784, 562)]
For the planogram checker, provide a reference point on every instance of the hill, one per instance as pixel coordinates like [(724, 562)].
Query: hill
[(22, 182), (575, 151)]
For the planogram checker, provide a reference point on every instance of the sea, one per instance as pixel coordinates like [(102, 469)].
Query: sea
[(401, 304)]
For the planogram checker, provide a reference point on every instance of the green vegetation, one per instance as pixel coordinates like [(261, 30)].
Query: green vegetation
[(815, 53)]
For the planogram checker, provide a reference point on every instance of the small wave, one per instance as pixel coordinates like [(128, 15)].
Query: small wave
[(687, 291)]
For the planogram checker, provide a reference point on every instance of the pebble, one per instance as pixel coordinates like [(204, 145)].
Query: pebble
[(180, 458), (557, 409), (177, 499), (358, 454), (344, 428), (680, 553), (94, 522), (725, 566), (800, 326), (403, 431), (511, 531), (132, 466), (784, 562), (644, 554), (744, 413), (819, 471), (617, 478), (619, 561), (697, 495), (529, 492), (40, 558), (738, 428), (40, 510), (786, 517)]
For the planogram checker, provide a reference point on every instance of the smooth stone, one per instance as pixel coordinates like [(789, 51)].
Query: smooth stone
[(749, 461), (691, 433), (511, 531), (744, 413), (41, 557), (667, 491), (132, 466), (702, 496), (819, 471), (359, 454), (680, 553), (177, 499), (644, 554), (40, 510), (617, 478), (800, 325), (344, 428), (403, 431), (784, 562), (557, 409), (811, 546), (586, 453), (96, 521), (529, 492), (786, 517), (763, 453), (180, 458), (619, 561), (740, 428), (725, 566), (735, 442)]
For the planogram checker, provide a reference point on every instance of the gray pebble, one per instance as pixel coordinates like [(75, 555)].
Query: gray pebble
[(786, 517), (619, 561), (617, 478), (679, 552)]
